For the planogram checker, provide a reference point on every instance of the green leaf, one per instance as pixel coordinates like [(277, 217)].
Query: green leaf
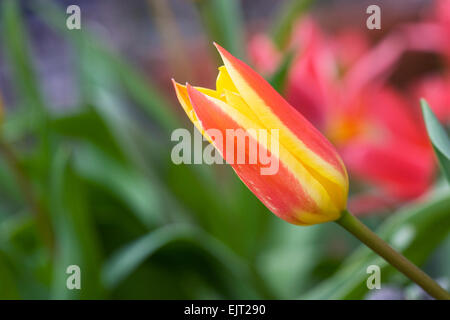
[(408, 231), (438, 137), (75, 234), (236, 273), (124, 182), (94, 58), (15, 43), (279, 78), (89, 126), (15, 40), (25, 258), (8, 288), (223, 21), (287, 15), (290, 257)]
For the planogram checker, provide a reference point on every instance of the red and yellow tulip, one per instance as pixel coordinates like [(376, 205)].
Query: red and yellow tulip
[(311, 184)]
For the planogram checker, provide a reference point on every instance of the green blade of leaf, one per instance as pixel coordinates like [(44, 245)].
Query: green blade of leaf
[(94, 130), (17, 48), (223, 21), (438, 137), (127, 259), (75, 234), (14, 38), (140, 194), (8, 287), (289, 12)]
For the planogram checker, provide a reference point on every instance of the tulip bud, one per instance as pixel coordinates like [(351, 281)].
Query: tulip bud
[(311, 183)]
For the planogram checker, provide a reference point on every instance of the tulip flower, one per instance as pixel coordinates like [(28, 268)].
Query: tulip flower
[(311, 185), (356, 107)]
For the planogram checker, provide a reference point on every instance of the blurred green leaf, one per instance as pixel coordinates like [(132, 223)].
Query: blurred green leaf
[(124, 182), (279, 78), (438, 137), (139, 88), (93, 130), (15, 39), (290, 257), (74, 232), (25, 258), (145, 94), (15, 44), (231, 267), (223, 21), (287, 15), (18, 124), (127, 259), (8, 288), (8, 185), (408, 231)]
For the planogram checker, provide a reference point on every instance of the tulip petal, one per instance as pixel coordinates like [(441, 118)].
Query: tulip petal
[(296, 133), (224, 82), (183, 98), (292, 193)]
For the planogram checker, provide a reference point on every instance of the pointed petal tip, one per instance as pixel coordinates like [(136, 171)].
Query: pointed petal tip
[(177, 86), (193, 93), (221, 49), (190, 89)]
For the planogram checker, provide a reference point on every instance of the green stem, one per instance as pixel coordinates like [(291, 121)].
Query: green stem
[(370, 239)]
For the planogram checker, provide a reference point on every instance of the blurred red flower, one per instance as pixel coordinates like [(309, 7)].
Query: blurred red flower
[(340, 86)]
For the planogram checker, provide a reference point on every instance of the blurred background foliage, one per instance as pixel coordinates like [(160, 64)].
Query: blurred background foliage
[(86, 177)]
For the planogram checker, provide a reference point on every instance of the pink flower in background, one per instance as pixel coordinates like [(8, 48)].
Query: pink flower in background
[(349, 45), (377, 130), (263, 53), (436, 90), (387, 145), (432, 34), (312, 78)]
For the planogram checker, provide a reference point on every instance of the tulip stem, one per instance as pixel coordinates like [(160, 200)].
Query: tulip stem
[(370, 239)]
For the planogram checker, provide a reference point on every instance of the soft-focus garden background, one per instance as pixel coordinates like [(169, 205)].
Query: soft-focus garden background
[(86, 176)]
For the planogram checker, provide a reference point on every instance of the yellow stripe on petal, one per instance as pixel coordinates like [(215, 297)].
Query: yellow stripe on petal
[(309, 218), (311, 160), (185, 102), (224, 82), (235, 100), (309, 183), (337, 194)]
